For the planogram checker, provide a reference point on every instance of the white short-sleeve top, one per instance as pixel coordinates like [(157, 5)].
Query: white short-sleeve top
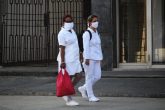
[(69, 40), (92, 47)]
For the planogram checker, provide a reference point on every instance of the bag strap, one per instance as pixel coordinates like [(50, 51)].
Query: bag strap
[(90, 34)]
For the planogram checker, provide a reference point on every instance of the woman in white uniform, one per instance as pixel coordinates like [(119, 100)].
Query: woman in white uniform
[(68, 57), (92, 58)]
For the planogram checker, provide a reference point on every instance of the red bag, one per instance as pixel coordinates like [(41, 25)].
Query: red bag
[(64, 86)]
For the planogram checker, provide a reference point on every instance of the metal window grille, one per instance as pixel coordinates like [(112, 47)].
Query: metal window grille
[(30, 29)]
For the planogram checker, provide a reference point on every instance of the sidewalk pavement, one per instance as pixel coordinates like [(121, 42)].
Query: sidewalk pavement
[(55, 103)]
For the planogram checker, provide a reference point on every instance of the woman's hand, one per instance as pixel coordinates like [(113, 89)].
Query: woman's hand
[(63, 65)]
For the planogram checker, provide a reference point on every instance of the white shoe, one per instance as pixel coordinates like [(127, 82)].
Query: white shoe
[(94, 99), (72, 103), (66, 98), (83, 92)]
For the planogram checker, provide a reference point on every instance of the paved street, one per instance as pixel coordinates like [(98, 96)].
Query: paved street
[(54, 103)]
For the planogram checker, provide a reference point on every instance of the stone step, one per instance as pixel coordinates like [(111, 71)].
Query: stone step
[(52, 71)]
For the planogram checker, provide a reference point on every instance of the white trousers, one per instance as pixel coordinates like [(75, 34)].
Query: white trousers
[(92, 75)]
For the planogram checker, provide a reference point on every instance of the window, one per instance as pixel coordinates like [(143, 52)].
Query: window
[(132, 31), (158, 17)]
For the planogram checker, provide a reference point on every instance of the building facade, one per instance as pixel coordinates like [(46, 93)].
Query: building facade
[(135, 31), (132, 31)]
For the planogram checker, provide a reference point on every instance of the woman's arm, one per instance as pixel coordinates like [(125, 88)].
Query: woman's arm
[(63, 65), (86, 39)]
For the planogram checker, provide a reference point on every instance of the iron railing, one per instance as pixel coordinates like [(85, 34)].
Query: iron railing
[(30, 29)]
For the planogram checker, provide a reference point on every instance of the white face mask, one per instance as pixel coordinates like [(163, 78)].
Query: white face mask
[(95, 24), (68, 26)]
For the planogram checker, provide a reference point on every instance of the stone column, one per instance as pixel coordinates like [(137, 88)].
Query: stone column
[(2, 12), (1, 32), (103, 8)]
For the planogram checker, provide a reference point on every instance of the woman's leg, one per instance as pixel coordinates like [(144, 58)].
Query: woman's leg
[(97, 72), (68, 99), (77, 77), (89, 72), (90, 80)]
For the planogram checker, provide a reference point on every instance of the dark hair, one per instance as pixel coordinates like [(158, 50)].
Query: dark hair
[(90, 18), (67, 16)]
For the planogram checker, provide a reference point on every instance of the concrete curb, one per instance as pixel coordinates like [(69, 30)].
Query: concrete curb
[(39, 74), (51, 71), (104, 75)]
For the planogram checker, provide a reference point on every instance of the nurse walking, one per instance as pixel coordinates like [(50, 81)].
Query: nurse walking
[(92, 58), (68, 57)]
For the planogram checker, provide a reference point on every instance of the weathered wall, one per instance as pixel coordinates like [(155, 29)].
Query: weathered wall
[(103, 8)]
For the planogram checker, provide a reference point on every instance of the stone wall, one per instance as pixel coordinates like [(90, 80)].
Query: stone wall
[(103, 8)]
